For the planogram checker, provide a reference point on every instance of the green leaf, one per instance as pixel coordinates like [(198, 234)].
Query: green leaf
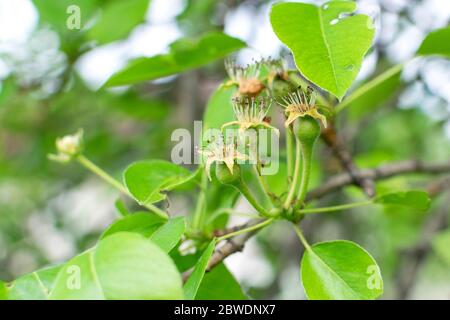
[(414, 199), (219, 284), (277, 182), (219, 109), (121, 208), (169, 234), (194, 280), (441, 243), (184, 261), (146, 179), (340, 270), (185, 54), (35, 285), (78, 280), (117, 19), (436, 43), (3, 291), (143, 223), (122, 266), (373, 93), (328, 49)]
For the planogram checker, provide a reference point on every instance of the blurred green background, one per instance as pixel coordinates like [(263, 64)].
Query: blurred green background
[(50, 85)]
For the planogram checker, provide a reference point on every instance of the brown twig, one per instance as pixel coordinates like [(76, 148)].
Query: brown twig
[(381, 172), (335, 143)]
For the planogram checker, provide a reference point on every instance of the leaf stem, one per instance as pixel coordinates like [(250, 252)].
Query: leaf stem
[(201, 204), (302, 238), (262, 186), (306, 170), (88, 164), (294, 182), (243, 188), (290, 151), (335, 208), (245, 230)]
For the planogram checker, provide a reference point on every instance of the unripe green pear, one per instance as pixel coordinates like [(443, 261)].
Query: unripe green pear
[(308, 131), (225, 176)]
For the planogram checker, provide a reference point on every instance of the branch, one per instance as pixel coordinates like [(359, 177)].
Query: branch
[(439, 186), (381, 172), (339, 149)]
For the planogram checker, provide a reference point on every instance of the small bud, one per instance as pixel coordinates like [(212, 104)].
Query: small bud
[(219, 152), (299, 104), (246, 78), (251, 113), (68, 147)]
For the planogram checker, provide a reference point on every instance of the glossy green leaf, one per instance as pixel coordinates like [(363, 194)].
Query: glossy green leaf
[(117, 19), (185, 54), (220, 284), (441, 245), (169, 234), (143, 223), (146, 179), (340, 270), (122, 266), (436, 43), (195, 279), (414, 199), (33, 286), (328, 48)]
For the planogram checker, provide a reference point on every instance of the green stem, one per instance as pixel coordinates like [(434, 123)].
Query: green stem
[(306, 170), (263, 188), (294, 182), (255, 227), (88, 164), (335, 208), (230, 212), (201, 202), (290, 151), (302, 238), (243, 188)]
